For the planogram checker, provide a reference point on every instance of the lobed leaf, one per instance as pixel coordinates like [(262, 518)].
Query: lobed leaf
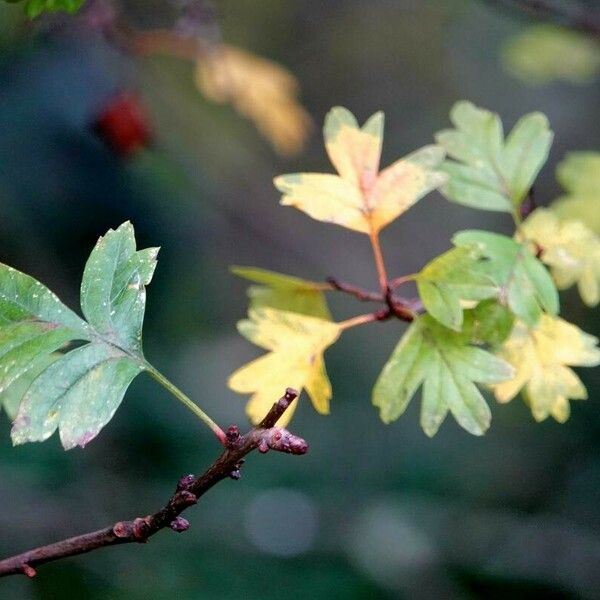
[(487, 171), (361, 198), (541, 356), (570, 249), (296, 344), (75, 390), (448, 367), (451, 278), (285, 292), (524, 285), (579, 174)]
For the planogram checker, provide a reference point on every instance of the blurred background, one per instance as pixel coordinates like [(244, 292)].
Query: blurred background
[(93, 134)]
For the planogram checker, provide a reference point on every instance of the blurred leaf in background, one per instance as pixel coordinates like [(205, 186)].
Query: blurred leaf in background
[(545, 53)]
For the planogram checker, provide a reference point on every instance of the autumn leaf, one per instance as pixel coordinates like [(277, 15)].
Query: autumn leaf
[(260, 90), (488, 171), (579, 175), (570, 249), (296, 344), (523, 283), (541, 357), (285, 292), (361, 197), (448, 366)]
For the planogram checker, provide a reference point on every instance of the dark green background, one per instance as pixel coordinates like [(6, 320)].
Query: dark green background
[(385, 512)]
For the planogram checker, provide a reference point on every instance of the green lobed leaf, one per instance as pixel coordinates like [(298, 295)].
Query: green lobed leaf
[(451, 278), (284, 292), (448, 367), (487, 171), (525, 285), (79, 390)]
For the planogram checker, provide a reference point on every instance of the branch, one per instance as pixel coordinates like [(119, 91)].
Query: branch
[(264, 437), (579, 20)]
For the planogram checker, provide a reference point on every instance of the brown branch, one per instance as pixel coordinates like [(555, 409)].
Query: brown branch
[(264, 437), (405, 309)]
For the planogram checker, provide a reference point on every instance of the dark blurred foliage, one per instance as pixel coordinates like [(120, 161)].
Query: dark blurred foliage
[(372, 511)]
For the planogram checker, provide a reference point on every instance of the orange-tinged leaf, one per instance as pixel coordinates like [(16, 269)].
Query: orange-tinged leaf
[(542, 356), (360, 198), (296, 343), (259, 90), (354, 151)]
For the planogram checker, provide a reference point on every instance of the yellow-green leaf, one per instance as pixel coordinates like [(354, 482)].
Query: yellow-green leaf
[(579, 175), (543, 53), (541, 356), (285, 292), (296, 344), (361, 198), (487, 171), (448, 367), (570, 249)]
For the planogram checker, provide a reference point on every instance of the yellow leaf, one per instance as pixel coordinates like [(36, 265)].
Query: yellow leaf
[(570, 249), (296, 344), (361, 197), (259, 90), (542, 356)]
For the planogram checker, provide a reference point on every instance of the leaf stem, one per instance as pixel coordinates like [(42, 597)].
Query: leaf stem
[(379, 262), (359, 320), (394, 283), (187, 402)]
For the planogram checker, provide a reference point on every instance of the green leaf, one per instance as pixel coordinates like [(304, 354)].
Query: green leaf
[(544, 53), (488, 172), (79, 390), (113, 295), (11, 397), (525, 285), (488, 323), (451, 278), (448, 367), (284, 292), (34, 8)]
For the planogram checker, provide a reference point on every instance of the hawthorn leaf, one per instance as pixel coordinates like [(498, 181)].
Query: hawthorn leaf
[(487, 171), (11, 397), (488, 323), (285, 292), (361, 197), (544, 53), (448, 367), (570, 249), (78, 389), (296, 344), (450, 278), (541, 356), (524, 284), (579, 175)]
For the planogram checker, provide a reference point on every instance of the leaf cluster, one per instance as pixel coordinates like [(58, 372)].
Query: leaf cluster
[(487, 310)]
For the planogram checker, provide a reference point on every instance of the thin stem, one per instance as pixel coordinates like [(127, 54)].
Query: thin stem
[(359, 320), (394, 283), (187, 402), (379, 263)]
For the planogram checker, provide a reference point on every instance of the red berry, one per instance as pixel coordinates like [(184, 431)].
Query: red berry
[(124, 124)]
